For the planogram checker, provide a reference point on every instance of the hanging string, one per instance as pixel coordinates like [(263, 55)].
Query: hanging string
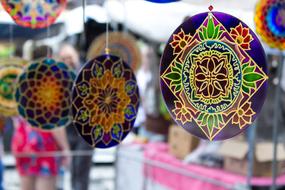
[(84, 40), (11, 39), (107, 50), (125, 23), (48, 49)]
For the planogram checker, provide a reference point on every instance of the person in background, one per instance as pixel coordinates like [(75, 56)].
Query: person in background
[(38, 172), (80, 165), (2, 126)]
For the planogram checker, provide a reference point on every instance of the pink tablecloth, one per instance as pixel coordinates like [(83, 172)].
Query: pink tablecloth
[(158, 152)]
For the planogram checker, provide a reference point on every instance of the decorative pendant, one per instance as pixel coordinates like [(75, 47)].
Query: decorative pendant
[(105, 101), (213, 75), (10, 69), (34, 14), (163, 1), (270, 22), (120, 44), (43, 94)]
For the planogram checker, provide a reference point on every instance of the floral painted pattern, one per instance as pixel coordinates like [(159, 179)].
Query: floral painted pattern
[(182, 112), (108, 101), (105, 101), (212, 80), (242, 36), (212, 77), (180, 40), (43, 94), (243, 115), (34, 14)]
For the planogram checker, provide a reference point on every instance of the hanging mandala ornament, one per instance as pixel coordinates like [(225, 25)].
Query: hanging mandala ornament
[(163, 1), (270, 22), (34, 14), (43, 94), (105, 101), (213, 75), (120, 44), (10, 69)]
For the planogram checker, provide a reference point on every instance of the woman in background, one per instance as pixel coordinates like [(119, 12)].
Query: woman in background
[(38, 172), (80, 165)]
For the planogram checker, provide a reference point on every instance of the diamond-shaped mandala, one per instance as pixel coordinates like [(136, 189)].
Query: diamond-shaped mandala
[(105, 101), (213, 76)]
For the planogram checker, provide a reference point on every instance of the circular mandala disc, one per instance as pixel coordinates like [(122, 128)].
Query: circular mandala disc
[(270, 22), (34, 14), (105, 101), (213, 75), (163, 1), (120, 44), (10, 69), (43, 94)]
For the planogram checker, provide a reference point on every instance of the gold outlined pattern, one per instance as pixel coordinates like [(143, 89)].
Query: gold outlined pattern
[(241, 75)]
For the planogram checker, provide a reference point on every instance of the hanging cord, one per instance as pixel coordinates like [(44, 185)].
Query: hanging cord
[(107, 50), (48, 49), (84, 40), (125, 23), (11, 39)]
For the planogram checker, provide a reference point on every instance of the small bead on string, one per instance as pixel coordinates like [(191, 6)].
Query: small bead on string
[(210, 8)]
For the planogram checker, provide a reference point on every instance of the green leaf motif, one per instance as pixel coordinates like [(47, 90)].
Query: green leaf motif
[(116, 130), (83, 115), (201, 36), (129, 88), (128, 111), (210, 123), (205, 119), (244, 66), (83, 89), (99, 70), (249, 84), (249, 69), (252, 77), (117, 70), (200, 117), (245, 89), (210, 28), (173, 76), (205, 33), (175, 69), (177, 88), (211, 31), (97, 132)]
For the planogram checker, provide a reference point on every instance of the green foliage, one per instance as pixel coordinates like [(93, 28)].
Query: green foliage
[(210, 120), (129, 111), (97, 132), (83, 115), (250, 77), (116, 130), (83, 89), (99, 70), (175, 76), (210, 32)]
